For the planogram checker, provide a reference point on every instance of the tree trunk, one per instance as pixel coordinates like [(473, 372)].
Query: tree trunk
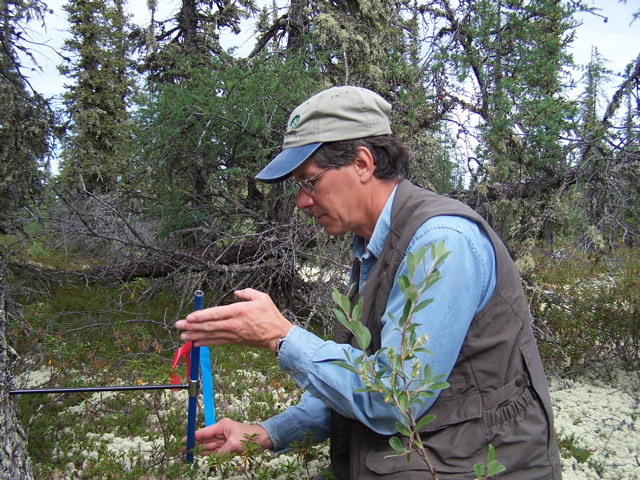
[(296, 26), (14, 459)]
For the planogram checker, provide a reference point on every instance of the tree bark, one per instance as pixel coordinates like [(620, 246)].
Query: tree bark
[(14, 459)]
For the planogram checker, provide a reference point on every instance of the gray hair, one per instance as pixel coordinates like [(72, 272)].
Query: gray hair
[(390, 155)]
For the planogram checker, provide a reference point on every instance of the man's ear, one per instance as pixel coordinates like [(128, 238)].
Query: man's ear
[(364, 164)]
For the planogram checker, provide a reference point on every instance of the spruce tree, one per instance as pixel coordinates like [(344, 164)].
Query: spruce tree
[(96, 99), (26, 119)]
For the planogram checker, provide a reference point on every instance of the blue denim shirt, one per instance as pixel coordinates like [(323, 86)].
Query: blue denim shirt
[(466, 285)]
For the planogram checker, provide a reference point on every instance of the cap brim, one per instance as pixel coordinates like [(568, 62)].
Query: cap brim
[(280, 168)]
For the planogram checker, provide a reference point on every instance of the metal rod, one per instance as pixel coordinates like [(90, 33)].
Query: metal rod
[(194, 379), (181, 386)]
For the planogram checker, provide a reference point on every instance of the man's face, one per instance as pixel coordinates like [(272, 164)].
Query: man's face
[(334, 200)]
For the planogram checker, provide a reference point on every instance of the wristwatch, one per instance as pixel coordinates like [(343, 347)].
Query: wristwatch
[(279, 344)]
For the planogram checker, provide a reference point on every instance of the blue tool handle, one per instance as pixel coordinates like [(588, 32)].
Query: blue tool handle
[(198, 300), (198, 304)]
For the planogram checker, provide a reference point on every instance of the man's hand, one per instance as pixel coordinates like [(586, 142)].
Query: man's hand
[(229, 436), (254, 322)]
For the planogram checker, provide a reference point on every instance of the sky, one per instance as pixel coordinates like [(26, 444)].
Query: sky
[(617, 38)]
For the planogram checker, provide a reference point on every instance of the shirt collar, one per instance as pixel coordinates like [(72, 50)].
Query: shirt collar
[(360, 248)]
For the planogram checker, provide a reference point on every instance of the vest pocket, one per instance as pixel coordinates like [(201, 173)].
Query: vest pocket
[(379, 462), (507, 413), (450, 451), (519, 432)]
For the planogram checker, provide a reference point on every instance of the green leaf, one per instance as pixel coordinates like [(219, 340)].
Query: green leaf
[(439, 386), (364, 390), (412, 294), (407, 308), (424, 350), (396, 444), (428, 373), (495, 467), (403, 401), (362, 334), (427, 394), (403, 282), (420, 254), (397, 363), (422, 305), (335, 295), (412, 261), (479, 470), (341, 300), (380, 374), (402, 429), (410, 326), (357, 311), (405, 418), (346, 354), (345, 365), (412, 339), (440, 253), (342, 318), (424, 420), (432, 278)]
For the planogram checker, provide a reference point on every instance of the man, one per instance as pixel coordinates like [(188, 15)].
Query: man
[(351, 174)]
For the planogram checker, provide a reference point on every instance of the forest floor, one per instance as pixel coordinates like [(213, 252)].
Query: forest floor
[(598, 424)]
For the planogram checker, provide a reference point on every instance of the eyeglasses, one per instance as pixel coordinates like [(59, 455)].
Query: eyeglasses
[(307, 185)]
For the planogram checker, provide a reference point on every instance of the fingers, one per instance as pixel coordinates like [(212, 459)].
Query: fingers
[(208, 321), (229, 436), (212, 438), (203, 339), (249, 294), (199, 318), (225, 312), (254, 321)]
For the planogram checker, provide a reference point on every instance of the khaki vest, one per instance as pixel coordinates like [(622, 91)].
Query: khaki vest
[(498, 393)]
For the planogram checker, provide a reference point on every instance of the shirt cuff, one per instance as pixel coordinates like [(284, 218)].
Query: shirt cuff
[(274, 427), (309, 417), (297, 353)]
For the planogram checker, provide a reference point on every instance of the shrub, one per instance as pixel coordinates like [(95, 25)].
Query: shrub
[(587, 310)]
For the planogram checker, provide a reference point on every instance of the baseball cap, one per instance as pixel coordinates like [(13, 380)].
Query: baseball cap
[(335, 114)]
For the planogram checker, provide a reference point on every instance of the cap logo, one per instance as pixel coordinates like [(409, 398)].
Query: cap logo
[(294, 121)]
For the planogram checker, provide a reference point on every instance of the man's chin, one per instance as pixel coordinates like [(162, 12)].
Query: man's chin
[(334, 232)]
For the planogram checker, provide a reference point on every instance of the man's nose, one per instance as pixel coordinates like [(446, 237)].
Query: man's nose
[(304, 200)]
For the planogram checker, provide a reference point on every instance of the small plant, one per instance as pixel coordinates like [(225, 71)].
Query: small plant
[(570, 449), (597, 466), (399, 376), (490, 469)]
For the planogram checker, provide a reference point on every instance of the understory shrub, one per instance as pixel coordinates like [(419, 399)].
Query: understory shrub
[(587, 309)]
